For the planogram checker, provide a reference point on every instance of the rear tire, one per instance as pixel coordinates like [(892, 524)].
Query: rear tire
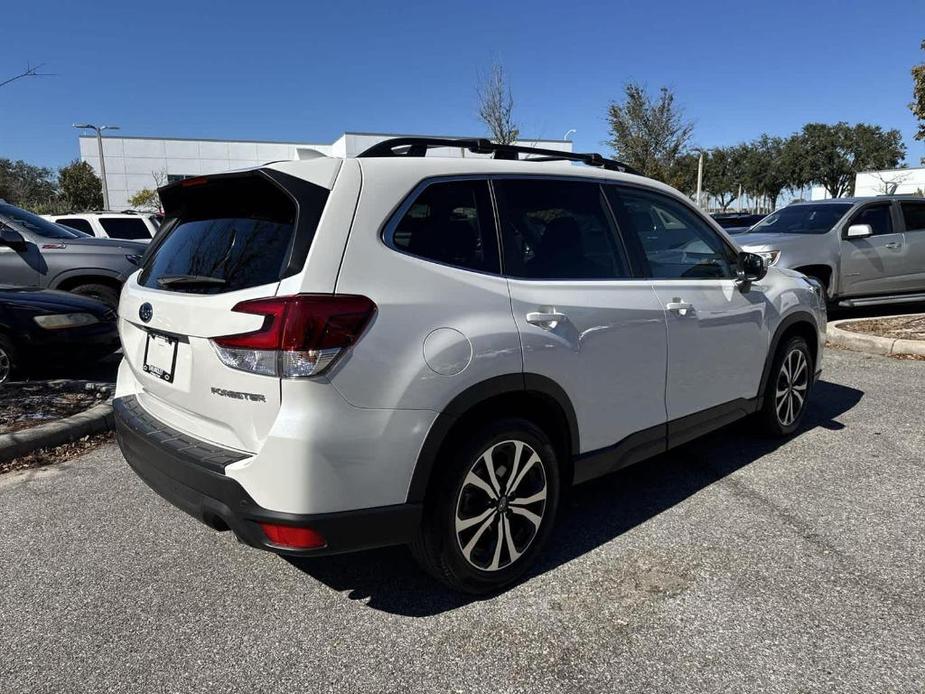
[(492, 509), (100, 292), (8, 359), (788, 388)]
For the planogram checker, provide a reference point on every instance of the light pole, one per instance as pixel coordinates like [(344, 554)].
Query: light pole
[(568, 132), (700, 180), (99, 143)]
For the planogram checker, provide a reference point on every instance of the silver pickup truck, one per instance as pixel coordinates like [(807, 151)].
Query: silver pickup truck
[(864, 251), (37, 253)]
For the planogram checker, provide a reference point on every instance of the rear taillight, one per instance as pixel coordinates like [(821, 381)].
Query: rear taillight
[(301, 336)]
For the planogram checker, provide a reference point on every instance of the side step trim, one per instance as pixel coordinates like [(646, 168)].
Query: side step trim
[(877, 300)]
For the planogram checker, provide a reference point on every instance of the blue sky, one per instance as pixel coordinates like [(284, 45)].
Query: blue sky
[(307, 71)]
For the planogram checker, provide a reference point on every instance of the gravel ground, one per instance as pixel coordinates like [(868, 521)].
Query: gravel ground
[(732, 564)]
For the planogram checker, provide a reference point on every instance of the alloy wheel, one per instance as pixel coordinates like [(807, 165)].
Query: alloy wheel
[(792, 383), (501, 505), (6, 365)]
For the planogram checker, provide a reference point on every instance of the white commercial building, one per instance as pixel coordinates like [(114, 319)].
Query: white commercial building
[(885, 182), (133, 163)]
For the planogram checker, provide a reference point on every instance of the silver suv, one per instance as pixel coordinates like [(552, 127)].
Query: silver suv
[(333, 354), (862, 250)]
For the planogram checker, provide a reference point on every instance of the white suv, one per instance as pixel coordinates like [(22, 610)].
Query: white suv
[(332, 354), (130, 225)]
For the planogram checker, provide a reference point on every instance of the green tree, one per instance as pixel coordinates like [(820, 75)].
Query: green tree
[(80, 188), (683, 174), (724, 171), (649, 134), (24, 184), (145, 199), (769, 167), (832, 155), (918, 98)]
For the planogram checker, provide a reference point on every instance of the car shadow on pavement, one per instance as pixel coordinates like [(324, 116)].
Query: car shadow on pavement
[(592, 514)]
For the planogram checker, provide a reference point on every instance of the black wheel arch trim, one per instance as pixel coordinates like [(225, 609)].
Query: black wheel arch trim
[(471, 397), (788, 322)]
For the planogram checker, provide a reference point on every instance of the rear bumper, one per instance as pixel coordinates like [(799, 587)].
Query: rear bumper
[(190, 474)]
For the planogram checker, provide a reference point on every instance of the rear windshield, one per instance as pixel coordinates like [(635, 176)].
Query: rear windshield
[(802, 219), (229, 234)]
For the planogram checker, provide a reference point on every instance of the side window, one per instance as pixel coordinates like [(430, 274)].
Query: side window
[(878, 216), (676, 243), (452, 223), (76, 223), (557, 230), (914, 215), (122, 228)]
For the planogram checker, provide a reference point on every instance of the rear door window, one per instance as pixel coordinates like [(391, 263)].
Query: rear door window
[(450, 222), (125, 228), (76, 223), (230, 234), (914, 215), (556, 229)]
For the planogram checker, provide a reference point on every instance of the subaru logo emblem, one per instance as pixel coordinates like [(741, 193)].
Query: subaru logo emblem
[(146, 312)]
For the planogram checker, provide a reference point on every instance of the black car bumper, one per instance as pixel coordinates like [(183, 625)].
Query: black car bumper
[(73, 343), (190, 474)]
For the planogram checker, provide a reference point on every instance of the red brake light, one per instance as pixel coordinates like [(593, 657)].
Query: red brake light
[(196, 181), (292, 536), (307, 331)]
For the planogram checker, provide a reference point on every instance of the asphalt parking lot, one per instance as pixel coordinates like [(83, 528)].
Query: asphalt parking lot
[(732, 564)]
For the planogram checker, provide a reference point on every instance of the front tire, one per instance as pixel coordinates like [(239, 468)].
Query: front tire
[(788, 388), (8, 359), (492, 508)]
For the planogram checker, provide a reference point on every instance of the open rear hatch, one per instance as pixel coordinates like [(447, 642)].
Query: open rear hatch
[(227, 239)]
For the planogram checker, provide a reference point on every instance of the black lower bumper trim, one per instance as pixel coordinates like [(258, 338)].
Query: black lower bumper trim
[(189, 476)]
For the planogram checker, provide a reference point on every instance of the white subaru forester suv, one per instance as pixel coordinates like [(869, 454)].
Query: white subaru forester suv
[(336, 354)]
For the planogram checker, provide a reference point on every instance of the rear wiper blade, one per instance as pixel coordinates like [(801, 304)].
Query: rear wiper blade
[(177, 280)]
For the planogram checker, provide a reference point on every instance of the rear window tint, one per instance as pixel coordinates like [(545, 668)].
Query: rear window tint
[(451, 222), (229, 234), (76, 223), (914, 215), (121, 228)]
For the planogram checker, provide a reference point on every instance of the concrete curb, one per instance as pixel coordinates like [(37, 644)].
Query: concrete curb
[(92, 421), (872, 344)]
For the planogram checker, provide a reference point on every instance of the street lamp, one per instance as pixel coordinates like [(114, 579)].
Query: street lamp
[(568, 132), (99, 143), (700, 180)]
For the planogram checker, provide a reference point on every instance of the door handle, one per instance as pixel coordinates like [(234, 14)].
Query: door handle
[(547, 320), (893, 244), (682, 308)]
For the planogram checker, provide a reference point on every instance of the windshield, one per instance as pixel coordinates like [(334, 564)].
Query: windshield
[(36, 225), (802, 219)]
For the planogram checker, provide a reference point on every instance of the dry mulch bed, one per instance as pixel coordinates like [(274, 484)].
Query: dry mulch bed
[(58, 454), (896, 327), (26, 405)]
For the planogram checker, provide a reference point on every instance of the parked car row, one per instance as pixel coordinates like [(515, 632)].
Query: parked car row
[(59, 293)]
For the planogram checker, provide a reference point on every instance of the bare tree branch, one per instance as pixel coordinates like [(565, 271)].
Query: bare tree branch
[(29, 72), (496, 105)]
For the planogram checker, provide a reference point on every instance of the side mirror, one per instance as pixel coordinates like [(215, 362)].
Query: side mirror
[(751, 268), (859, 231), (12, 238)]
